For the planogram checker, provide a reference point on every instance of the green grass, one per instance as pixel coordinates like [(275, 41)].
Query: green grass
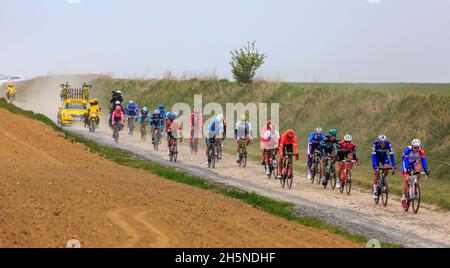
[(401, 111), (277, 208)]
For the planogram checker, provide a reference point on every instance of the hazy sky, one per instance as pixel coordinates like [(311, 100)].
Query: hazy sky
[(315, 40)]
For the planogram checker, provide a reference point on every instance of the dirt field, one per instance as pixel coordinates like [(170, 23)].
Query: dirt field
[(52, 190)]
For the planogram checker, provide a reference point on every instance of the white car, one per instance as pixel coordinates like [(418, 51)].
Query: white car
[(4, 79)]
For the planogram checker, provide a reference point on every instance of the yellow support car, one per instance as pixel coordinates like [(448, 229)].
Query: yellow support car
[(72, 111)]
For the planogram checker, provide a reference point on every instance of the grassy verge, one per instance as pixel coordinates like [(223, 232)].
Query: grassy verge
[(278, 208)]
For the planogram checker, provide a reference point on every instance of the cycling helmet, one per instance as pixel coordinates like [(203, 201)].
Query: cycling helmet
[(318, 130), (220, 116), (131, 102), (416, 143), (145, 109), (333, 132), (157, 112), (119, 92), (348, 138), (217, 120), (117, 102), (382, 138), (244, 118), (92, 102), (161, 106)]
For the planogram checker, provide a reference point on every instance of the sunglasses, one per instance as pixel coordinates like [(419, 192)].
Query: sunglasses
[(416, 148)]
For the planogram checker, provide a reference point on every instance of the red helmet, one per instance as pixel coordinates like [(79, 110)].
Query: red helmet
[(290, 133)]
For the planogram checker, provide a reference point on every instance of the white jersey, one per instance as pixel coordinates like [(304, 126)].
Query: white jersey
[(271, 140), (243, 129)]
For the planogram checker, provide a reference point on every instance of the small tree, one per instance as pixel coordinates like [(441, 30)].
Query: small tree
[(245, 62)]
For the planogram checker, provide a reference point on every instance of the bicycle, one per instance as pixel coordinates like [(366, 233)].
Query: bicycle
[(243, 154), (193, 144), (382, 188), (132, 125), (330, 173), (273, 165), (156, 139), (315, 168), (347, 181), (10, 97), (173, 150), (144, 131), (116, 128), (287, 172), (413, 194), (212, 156)]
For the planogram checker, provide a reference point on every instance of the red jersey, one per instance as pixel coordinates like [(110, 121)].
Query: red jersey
[(286, 141)]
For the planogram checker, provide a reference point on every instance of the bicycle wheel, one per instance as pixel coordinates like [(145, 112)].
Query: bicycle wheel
[(318, 168), (245, 159), (283, 174), (333, 179), (143, 133), (348, 185), (343, 185), (116, 135), (290, 177), (212, 156), (275, 169), (91, 126), (408, 202), (313, 172), (385, 193), (416, 200)]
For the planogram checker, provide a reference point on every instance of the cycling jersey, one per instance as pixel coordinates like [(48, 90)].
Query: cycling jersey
[(411, 158), (270, 140), (175, 129), (214, 131), (196, 121), (157, 121), (11, 90), (314, 142), (328, 146), (380, 155), (132, 110), (117, 117), (144, 116), (285, 142), (243, 130)]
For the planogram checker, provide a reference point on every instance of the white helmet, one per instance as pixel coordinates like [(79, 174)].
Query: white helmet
[(382, 138), (117, 102), (416, 143), (348, 138), (131, 102), (318, 130), (119, 92)]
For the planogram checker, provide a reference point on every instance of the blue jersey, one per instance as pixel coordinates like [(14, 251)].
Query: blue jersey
[(381, 154), (157, 120), (214, 131), (132, 109), (314, 141), (144, 117)]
